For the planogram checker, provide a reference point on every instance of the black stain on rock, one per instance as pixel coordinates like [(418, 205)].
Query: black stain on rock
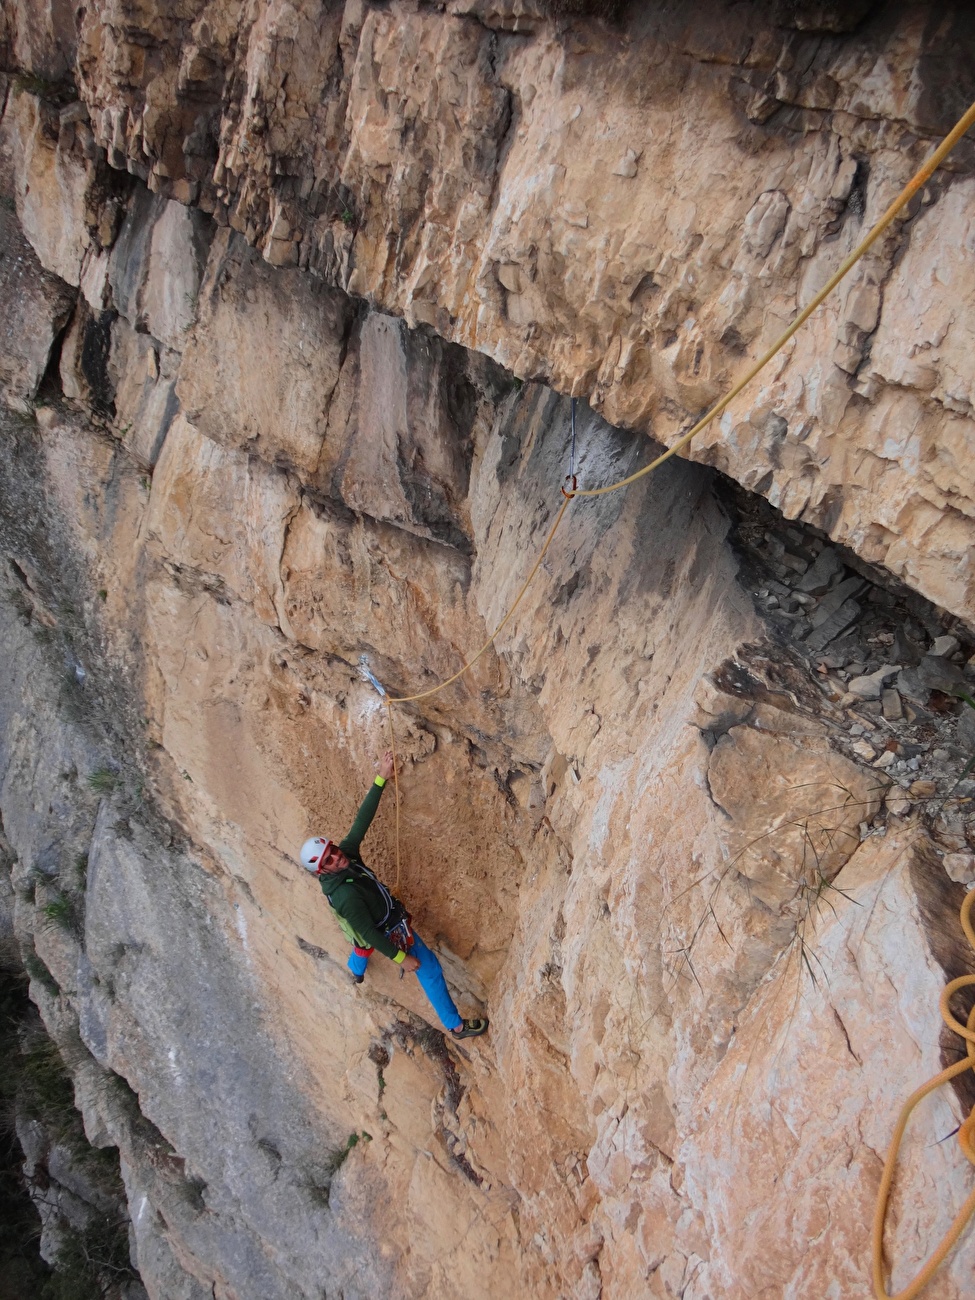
[(95, 350)]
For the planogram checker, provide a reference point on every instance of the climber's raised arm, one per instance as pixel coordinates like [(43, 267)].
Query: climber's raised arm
[(367, 809)]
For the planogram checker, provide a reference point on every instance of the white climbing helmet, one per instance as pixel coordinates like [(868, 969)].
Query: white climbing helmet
[(312, 852)]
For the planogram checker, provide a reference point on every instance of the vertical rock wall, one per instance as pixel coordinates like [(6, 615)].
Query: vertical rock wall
[(630, 212), (710, 932)]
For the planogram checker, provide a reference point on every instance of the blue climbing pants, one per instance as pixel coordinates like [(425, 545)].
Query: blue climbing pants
[(430, 976)]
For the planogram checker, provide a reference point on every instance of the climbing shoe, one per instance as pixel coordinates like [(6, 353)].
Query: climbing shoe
[(470, 1029), (357, 979)]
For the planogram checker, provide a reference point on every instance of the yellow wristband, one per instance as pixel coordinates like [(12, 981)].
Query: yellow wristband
[(399, 958), (380, 781)]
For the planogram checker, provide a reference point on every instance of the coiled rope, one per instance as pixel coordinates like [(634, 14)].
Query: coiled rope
[(967, 1132), (966, 1138)]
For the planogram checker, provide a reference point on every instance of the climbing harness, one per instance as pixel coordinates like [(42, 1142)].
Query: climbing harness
[(401, 934), (966, 1137), (570, 492)]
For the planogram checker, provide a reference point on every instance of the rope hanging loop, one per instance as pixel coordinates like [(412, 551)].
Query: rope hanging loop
[(965, 1139)]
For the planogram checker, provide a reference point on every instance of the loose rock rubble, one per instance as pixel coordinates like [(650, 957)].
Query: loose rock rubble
[(897, 674)]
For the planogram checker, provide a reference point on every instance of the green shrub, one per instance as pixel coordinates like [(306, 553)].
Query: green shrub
[(102, 780), (36, 969), (35, 1083), (26, 417), (44, 1087), (61, 912), (73, 699), (338, 1157), (32, 83), (88, 1258)]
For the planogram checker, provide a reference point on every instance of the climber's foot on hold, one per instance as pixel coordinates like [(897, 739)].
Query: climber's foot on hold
[(357, 979), (470, 1029)]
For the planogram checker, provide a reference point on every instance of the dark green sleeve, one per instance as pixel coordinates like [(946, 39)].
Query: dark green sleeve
[(363, 820), (351, 908)]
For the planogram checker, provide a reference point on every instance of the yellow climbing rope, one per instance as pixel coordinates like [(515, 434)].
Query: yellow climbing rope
[(920, 178), (967, 1131), (422, 695), (966, 1138), (408, 699)]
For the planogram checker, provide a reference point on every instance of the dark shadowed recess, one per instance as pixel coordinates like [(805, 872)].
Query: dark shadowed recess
[(22, 1271), (944, 74), (91, 1255)]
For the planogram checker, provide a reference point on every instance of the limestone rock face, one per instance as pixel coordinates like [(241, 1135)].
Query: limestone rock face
[(39, 305), (290, 409), (534, 193), (51, 184), (790, 1064)]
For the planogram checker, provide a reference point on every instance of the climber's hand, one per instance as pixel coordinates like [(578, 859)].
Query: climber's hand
[(386, 765), (410, 963)]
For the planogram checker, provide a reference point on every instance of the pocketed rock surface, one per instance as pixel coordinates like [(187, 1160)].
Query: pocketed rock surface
[(301, 296)]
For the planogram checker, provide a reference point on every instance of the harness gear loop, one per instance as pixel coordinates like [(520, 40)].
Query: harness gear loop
[(401, 934)]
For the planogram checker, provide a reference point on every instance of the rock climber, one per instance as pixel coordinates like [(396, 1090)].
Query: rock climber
[(372, 919)]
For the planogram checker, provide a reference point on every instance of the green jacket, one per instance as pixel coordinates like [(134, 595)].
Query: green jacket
[(362, 901)]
